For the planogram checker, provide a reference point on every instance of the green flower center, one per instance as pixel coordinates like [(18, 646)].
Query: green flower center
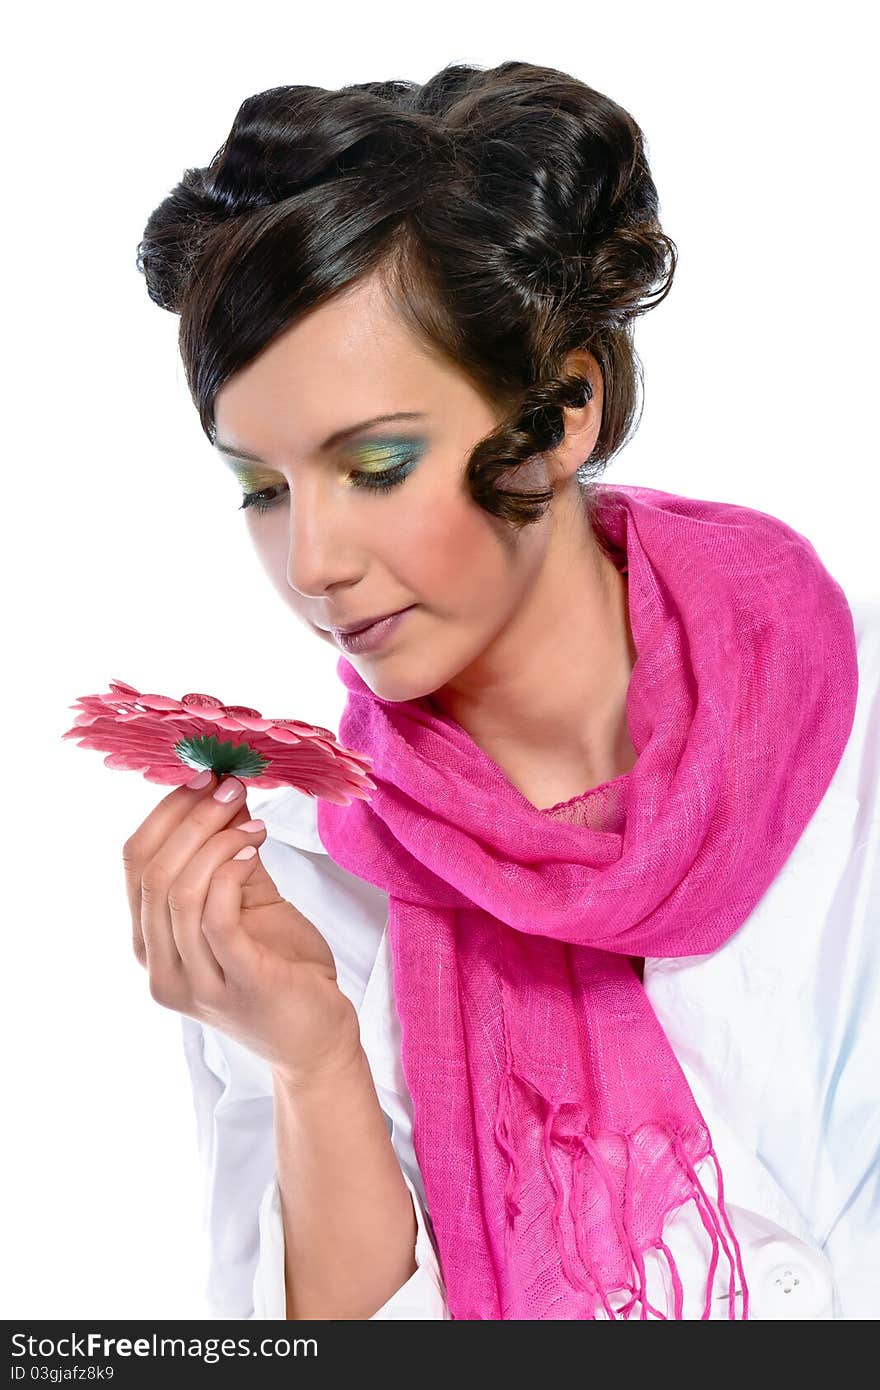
[(235, 759)]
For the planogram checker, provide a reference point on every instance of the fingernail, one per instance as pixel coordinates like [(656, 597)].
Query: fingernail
[(247, 853), (253, 827), (228, 789), (201, 779)]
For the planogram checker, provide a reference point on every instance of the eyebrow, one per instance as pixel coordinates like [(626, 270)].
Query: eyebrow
[(332, 439)]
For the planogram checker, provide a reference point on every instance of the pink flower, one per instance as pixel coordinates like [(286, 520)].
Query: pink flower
[(167, 740)]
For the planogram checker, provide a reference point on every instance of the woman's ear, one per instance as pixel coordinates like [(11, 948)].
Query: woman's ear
[(582, 422)]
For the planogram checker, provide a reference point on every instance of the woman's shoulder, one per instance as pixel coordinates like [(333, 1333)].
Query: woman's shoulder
[(866, 623), (778, 1029), (856, 778)]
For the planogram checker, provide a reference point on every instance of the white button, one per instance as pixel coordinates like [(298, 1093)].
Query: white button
[(788, 1279)]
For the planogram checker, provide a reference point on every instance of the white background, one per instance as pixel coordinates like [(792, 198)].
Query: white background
[(125, 555)]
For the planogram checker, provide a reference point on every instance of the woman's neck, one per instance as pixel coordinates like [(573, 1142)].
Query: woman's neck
[(552, 715)]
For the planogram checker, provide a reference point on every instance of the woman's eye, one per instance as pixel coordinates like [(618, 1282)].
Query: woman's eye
[(263, 500), (256, 500)]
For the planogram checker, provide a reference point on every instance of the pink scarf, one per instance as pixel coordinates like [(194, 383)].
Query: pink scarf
[(553, 1125)]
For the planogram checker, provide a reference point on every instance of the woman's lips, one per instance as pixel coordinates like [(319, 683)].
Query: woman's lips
[(372, 637)]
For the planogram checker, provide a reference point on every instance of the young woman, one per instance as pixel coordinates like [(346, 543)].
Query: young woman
[(573, 1018)]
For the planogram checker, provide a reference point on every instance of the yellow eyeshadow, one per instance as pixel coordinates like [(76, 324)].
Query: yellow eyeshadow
[(373, 456), (373, 459), (254, 482)]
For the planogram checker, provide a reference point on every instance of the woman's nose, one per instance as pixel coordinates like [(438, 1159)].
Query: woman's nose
[(320, 552)]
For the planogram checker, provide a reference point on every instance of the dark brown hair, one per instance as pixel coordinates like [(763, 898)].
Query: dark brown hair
[(509, 212)]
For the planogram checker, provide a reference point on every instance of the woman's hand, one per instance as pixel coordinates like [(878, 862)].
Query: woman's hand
[(221, 944)]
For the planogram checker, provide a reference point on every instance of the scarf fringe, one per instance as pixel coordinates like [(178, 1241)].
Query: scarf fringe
[(712, 1211)]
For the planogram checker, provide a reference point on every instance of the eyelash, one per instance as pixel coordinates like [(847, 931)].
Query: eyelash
[(390, 477)]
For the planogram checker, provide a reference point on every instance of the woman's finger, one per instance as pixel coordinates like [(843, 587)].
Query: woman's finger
[(187, 899), (207, 815), (144, 844), (237, 954)]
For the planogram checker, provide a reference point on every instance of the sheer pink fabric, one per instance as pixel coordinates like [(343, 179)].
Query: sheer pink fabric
[(553, 1125)]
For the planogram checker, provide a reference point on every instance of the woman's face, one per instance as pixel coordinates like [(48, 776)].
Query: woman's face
[(340, 551)]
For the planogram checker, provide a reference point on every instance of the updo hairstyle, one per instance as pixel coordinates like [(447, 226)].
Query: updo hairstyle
[(509, 213)]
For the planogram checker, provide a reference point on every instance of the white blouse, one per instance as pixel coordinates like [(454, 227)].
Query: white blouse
[(778, 1035)]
